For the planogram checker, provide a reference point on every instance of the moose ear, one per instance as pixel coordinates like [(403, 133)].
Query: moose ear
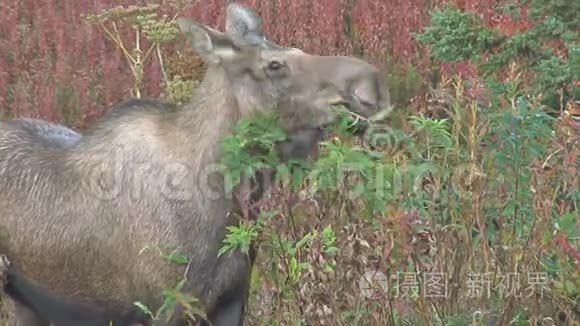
[(244, 25), (211, 45)]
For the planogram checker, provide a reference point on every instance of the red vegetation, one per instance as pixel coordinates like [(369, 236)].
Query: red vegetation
[(55, 66)]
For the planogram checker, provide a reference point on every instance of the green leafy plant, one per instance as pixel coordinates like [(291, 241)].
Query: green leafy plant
[(456, 35), (240, 237), (174, 296), (521, 139), (251, 147)]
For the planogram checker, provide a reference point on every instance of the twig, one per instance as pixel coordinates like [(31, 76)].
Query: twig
[(119, 43), (162, 65)]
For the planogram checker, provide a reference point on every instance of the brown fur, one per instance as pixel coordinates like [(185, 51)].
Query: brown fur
[(155, 162)]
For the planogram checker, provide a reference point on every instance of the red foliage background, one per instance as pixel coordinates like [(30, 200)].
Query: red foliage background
[(50, 60)]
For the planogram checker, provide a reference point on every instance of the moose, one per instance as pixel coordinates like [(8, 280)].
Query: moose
[(83, 218)]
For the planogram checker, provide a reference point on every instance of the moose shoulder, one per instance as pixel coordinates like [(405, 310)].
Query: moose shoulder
[(76, 219)]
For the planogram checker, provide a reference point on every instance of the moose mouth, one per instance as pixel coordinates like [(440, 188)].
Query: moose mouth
[(355, 105), (359, 109), (304, 142)]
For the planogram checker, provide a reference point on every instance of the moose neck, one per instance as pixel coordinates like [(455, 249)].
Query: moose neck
[(209, 116)]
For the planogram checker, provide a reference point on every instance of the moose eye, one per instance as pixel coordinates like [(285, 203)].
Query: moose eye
[(274, 65)]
